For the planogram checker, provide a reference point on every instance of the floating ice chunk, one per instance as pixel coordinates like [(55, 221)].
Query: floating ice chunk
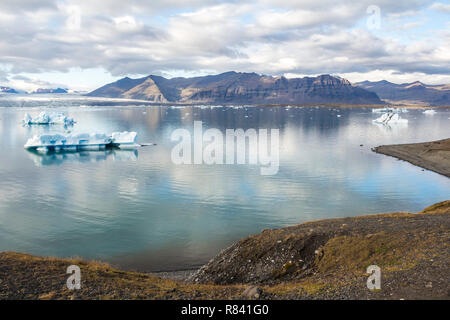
[(27, 118), (82, 141), (48, 118), (85, 141), (429, 112), (390, 118), (124, 139)]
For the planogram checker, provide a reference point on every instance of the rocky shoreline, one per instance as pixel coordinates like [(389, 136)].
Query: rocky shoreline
[(434, 155), (324, 259)]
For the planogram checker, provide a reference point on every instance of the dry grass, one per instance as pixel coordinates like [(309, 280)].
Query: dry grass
[(31, 277), (355, 253), (336, 253), (440, 207)]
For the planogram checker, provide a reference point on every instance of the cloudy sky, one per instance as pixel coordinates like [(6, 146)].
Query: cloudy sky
[(82, 44)]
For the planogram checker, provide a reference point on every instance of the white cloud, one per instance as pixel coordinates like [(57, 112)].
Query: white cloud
[(31, 84), (395, 77), (177, 37), (441, 7), (73, 21)]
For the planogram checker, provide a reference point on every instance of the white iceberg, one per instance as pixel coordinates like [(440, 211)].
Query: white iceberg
[(82, 141), (390, 118), (124, 140), (429, 112), (48, 118)]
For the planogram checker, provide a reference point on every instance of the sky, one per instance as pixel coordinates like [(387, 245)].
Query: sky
[(84, 44)]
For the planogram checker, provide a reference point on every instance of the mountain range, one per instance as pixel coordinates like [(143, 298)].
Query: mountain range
[(409, 93), (7, 90), (238, 87), (252, 88), (46, 90), (37, 91)]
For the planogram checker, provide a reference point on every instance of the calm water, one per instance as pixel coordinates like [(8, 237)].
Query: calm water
[(137, 210)]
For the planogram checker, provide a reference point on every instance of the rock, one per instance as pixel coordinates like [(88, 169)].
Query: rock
[(252, 292)]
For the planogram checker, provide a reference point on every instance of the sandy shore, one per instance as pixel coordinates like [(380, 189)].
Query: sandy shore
[(324, 259), (179, 275), (434, 156)]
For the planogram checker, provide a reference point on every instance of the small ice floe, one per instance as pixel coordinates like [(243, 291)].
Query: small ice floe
[(390, 118), (48, 118), (124, 140), (82, 141), (429, 112)]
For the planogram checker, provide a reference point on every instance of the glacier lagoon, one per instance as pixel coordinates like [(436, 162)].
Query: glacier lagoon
[(138, 210)]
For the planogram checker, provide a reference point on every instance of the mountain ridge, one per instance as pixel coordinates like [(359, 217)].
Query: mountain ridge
[(238, 87), (49, 90), (409, 93), (4, 89)]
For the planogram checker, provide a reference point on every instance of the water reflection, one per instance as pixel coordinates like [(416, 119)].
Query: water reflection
[(146, 213), (390, 128), (57, 158)]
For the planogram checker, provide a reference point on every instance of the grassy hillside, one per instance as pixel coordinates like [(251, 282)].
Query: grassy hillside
[(324, 259)]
